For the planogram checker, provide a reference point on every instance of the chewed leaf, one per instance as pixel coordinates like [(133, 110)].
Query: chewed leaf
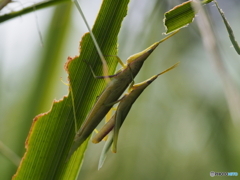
[(180, 16), (52, 133)]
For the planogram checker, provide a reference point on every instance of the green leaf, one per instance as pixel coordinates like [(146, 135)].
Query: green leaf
[(229, 29), (52, 133), (180, 16)]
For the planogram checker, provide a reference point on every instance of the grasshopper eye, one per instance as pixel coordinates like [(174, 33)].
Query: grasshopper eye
[(150, 81), (150, 50)]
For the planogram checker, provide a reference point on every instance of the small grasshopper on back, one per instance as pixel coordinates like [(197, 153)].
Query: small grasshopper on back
[(119, 82)]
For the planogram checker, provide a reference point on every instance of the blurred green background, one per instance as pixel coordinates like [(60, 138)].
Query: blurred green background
[(179, 128)]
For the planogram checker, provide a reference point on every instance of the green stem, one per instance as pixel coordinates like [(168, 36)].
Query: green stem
[(30, 9)]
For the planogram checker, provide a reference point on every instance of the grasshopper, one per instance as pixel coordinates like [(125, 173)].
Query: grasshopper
[(119, 82), (122, 111)]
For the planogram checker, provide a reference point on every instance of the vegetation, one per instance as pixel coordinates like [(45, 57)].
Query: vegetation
[(185, 125)]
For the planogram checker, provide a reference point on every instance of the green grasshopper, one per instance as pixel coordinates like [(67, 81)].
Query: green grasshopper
[(119, 82), (122, 111)]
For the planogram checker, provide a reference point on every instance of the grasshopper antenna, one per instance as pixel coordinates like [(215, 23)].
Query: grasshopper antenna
[(105, 67)]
